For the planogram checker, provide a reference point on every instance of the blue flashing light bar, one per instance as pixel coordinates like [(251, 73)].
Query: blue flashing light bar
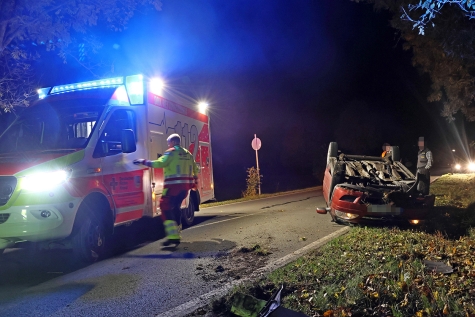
[(102, 83), (43, 92)]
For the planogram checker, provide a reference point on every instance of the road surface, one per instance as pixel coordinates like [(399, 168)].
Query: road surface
[(227, 243)]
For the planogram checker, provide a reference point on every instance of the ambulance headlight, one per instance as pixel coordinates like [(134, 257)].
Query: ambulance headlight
[(45, 181), (471, 166)]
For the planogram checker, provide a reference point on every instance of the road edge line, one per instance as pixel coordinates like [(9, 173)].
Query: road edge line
[(297, 191), (203, 300)]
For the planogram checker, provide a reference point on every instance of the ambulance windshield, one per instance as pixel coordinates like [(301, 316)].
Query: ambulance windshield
[(51, 125)]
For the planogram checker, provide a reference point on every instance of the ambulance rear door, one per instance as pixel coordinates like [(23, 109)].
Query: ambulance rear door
[(205, 181)]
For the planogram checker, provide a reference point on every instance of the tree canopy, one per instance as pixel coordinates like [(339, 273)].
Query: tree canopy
[(31, 28), (441, 36)]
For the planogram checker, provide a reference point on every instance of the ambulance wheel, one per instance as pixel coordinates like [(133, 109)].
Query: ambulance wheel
[(89, 240), (188, 214)]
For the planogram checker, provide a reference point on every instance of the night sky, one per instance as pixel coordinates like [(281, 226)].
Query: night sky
[(299, 74)]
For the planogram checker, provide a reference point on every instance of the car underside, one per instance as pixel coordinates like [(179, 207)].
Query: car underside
[(370, 189)]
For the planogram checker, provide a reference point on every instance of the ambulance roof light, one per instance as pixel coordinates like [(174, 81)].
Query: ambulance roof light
[(156, 86), (43, 92), (135, 88), (103, 83), (202, 107)]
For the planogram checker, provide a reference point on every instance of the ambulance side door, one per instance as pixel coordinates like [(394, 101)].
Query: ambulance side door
[(122, 180)]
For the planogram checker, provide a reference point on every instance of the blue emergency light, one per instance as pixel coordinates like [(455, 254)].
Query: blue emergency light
[(102, 83), (43, 92), (134, 85)]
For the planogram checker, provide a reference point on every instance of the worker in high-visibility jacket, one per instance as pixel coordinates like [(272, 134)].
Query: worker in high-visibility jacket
[(180, 175)]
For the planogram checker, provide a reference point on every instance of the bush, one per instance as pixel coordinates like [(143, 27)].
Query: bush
[(253, 182)]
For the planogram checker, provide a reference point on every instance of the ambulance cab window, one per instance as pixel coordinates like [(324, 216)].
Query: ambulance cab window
[(110, 140)]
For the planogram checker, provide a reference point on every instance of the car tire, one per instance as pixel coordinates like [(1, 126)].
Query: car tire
[(396, 155), (332, 151), (89, 241), (337, 178), (188, 214)]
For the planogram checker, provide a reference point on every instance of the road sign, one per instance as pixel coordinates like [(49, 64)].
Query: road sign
[(256, 143)]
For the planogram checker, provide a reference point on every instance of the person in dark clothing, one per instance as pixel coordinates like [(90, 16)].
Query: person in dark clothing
[(424, 163)]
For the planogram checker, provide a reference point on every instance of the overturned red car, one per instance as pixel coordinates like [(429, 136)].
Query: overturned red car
[(361, 189)]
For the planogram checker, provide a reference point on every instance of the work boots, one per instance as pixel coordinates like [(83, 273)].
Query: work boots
[(173, 233)]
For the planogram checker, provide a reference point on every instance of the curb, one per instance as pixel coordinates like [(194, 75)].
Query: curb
[(204, 299)]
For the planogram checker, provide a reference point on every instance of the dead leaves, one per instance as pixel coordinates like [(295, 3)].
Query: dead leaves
[(332, 284)]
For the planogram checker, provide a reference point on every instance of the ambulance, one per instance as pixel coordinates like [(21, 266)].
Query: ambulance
[(66, 161)]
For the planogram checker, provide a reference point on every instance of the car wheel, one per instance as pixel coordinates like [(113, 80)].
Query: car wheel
[(89, 240), (188, 214), (396, 156), (332, 151), (337, 177)]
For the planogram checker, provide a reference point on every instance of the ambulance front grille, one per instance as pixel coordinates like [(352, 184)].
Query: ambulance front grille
[(4, 217), (7, 186)]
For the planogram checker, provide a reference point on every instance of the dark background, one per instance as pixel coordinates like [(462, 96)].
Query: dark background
[(299, 74)]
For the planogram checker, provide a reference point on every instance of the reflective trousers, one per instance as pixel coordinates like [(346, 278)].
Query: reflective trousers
[(170, 202)]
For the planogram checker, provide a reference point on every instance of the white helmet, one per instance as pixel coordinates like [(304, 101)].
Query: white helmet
[(174, 137)]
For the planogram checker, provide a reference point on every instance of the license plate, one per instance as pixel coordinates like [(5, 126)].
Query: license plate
[(387, 209)]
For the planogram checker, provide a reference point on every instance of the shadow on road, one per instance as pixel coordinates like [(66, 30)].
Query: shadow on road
[(201, 219), (189, 250), (30, 264)]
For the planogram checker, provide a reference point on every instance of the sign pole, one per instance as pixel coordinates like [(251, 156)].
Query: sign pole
[(257, 162)]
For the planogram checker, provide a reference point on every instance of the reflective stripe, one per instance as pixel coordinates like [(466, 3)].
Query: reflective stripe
[(178, 182), (178, 175), (171, 229), (173, 178)]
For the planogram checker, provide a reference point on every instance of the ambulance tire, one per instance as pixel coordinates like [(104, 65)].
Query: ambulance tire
[(188, 214), (89, 240)]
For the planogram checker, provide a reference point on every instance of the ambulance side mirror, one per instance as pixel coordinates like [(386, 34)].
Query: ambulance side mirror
[(128, 141)]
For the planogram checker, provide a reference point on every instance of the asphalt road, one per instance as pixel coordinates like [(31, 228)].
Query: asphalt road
[(142, 279)]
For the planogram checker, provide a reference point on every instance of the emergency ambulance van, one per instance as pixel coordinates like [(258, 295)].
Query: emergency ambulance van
[(66, 162)]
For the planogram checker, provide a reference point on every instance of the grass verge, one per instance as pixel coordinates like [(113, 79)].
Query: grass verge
[(383, 271)]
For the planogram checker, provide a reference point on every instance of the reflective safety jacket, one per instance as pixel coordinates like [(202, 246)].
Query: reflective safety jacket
[(424, 158), (179, 166)]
